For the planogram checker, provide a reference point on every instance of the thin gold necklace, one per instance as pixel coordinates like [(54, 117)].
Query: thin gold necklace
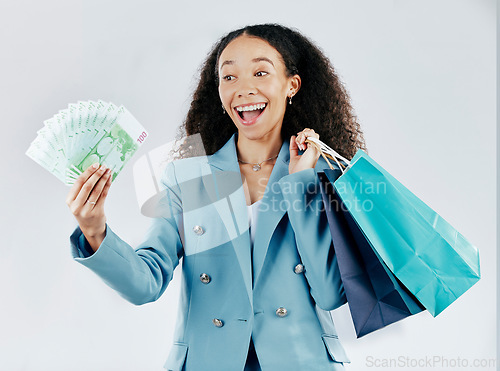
[(256, 167)]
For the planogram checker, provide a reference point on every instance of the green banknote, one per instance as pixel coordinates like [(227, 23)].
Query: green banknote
[(86, 133)]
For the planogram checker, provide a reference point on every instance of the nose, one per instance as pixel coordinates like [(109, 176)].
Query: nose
[(246, 88), (246, 92)]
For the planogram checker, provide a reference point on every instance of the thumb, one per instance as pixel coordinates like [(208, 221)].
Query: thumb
[(294, 149)]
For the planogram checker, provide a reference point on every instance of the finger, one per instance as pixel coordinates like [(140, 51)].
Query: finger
[(303, 135), (95, 196), (82, 178), (312, 133), (294, 149), (300, 141), (88, 186), (105, 190), (309, 133), (102, 197)]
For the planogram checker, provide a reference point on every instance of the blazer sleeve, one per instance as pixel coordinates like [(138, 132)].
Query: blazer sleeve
[(139, 275), (307, 216)]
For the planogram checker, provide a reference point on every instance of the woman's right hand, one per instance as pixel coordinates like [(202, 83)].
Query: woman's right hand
[(86, 202)]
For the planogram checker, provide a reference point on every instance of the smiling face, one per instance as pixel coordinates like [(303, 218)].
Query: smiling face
[(254, 86)]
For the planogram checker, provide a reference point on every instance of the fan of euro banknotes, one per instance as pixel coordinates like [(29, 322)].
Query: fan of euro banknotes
[(86, 133)]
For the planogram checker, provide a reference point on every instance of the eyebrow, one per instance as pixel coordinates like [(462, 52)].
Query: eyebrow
[(255, 60), (263, 59)]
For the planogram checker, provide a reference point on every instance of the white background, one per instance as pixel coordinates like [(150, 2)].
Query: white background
[(422, 79)]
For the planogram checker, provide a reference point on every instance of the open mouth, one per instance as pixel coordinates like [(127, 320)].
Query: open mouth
[(251, 112)]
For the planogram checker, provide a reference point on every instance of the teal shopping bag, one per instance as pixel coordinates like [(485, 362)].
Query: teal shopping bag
[(435, 262)]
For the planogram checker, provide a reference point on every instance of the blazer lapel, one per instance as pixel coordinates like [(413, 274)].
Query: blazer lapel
[(271, 210), (222, 180)]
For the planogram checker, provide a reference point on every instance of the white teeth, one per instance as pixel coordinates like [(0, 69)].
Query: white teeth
[(251, 108)]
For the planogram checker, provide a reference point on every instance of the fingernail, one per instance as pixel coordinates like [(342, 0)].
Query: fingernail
[(108, 171), (96, 165)]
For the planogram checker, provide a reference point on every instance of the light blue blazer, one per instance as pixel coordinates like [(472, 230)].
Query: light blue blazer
[(280, 294)]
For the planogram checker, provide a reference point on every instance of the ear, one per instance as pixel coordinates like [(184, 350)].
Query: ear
[(295, 83)]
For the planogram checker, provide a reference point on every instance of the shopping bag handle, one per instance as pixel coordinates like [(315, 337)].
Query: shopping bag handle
[(328, 152)]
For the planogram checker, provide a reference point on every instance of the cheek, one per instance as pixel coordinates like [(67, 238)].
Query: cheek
[(223, 94), (280, 91)]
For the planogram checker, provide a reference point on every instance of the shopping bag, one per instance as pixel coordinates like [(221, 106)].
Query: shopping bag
[(430, 257), (376, 298)]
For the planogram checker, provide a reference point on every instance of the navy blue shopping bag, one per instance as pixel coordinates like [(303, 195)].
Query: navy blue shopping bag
[(376, 297)]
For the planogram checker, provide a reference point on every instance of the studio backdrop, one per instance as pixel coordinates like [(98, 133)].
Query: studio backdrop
[(422, 78)]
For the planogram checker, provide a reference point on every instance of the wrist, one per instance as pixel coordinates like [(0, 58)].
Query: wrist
[(95, 237), (93, 232)]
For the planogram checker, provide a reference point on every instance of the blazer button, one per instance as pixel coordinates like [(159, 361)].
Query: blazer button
[(281, 312), (217, 322), (198, 230), (205, 278), (299, 268)]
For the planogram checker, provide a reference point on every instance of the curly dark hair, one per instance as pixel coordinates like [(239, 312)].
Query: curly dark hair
[(322, 103)]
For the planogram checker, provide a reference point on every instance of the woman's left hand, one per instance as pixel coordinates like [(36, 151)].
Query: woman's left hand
[(309, 158)]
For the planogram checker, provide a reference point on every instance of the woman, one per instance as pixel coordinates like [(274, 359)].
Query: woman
[(259, 270)]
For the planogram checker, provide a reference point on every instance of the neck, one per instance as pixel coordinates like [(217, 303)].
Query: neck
[(257, 150)]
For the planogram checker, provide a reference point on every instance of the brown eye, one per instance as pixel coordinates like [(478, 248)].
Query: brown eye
[(261, 73)]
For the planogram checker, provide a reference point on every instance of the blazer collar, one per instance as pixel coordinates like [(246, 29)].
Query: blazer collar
[(226, 158)]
